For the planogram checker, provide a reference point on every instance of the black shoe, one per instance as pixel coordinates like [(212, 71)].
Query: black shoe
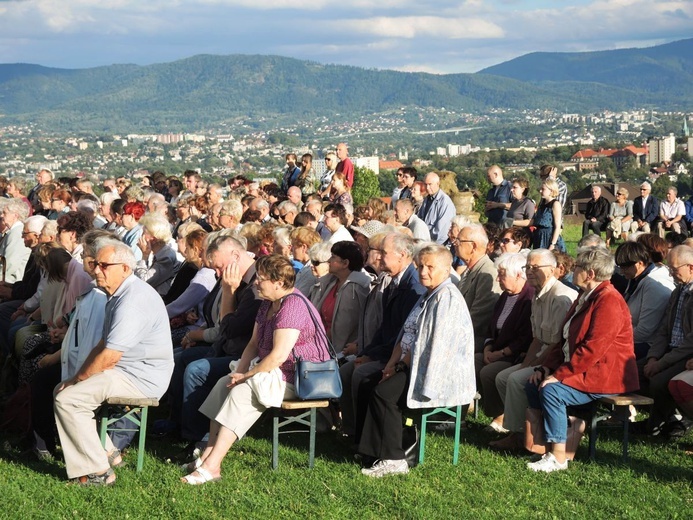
[(675, 429)]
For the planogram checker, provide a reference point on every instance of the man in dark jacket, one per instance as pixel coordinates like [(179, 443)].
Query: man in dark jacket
[(645, 210), (596, 214)]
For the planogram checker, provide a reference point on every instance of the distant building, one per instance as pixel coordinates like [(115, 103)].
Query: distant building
[(390, 165), (661, 149), (372, 163), (588, 159)]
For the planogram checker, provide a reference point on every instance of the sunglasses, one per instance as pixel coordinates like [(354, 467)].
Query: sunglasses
[(317, 262), (102, 265)]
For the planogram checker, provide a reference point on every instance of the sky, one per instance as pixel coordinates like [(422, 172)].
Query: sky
[(437, 36)]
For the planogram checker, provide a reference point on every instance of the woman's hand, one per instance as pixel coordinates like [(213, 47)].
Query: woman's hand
[(236, 379), (388, 372), (144, 246), (548, 381), (231, 277), (689, 364)]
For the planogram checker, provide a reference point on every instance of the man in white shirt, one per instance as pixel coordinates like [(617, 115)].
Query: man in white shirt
[(671, 213), (404, 215)]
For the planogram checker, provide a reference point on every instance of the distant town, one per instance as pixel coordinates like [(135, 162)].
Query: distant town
[(656, 142)]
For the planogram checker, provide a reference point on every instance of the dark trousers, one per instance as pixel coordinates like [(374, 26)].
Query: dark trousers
[(595, 227), (381, 437), (42, 418), (658, 389)]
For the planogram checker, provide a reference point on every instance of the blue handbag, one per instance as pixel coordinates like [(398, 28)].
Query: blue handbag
[(317, 379)]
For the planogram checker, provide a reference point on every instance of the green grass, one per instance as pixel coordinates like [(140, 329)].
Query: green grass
[(484, 484)]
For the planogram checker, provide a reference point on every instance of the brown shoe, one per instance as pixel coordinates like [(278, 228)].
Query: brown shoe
[(513, 442)]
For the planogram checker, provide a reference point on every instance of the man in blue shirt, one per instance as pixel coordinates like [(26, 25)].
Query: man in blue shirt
[(498, 197)]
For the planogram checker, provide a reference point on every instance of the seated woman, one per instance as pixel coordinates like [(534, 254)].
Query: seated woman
[(188, 270), (282, 245), (515, 240), (509, 336), (319, 254), (343, 293), (681, 389), (83, 333), (302, 239), (194, 295), (287, 326), (71, 228), (163, 266), (596, 360), (647, 297), (620, 217), (431, 365)]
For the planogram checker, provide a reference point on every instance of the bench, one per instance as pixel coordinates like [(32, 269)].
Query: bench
[(133, 407), (615, 407), (295, 412)]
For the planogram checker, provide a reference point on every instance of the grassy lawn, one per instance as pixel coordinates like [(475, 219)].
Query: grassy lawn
[(484, 484), (655, 484)]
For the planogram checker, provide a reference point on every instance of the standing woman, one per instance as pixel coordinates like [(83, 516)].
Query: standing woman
[(548, 219), (522, 208), (326, 179), (307, 180)]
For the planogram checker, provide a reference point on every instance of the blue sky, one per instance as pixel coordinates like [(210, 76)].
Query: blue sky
[(440, 36)]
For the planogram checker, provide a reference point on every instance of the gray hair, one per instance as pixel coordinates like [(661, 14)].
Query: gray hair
[(683, 253), (597, 259), (546, 257), (591, 240), (122, 253), (478, 234), (222, 241), (88, 207), (460, 221), (35, 223), (91, 238), (108, 197), (18, 207), (233, 208), (402, 243), (320, 252), (50, 227), (157, 226), (289, 206), (513, 264), (262, 203), (441, 253), (282, 234)]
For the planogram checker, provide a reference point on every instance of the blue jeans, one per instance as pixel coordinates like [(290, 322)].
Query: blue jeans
[(181, 360), (553, 400), (199, 379)]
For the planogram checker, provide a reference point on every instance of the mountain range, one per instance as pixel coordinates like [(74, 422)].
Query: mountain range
[(206, 90)]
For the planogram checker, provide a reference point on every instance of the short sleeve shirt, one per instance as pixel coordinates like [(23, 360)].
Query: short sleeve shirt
[(295, 313)]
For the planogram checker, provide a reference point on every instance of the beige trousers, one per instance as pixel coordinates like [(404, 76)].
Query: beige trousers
[(76, 412)]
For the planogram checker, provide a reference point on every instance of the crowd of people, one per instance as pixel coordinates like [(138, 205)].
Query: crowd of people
[(209, 294)]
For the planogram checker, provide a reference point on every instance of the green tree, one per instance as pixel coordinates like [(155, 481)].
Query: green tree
[(365, 185), (387, 182), (660, 186)]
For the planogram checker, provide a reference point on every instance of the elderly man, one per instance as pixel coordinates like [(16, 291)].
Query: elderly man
[(671, 213), (295, 197), (345, 166), (498, 197), (335, 221), (404, 215), (672, 344), (287, 212), (596, 213), (645, 209), (157, 204), (479, 284), (198, 369), (215, 194), (399, 298), (437, 209), (134, 359), (12, 247), (552, 300), (261, 205)]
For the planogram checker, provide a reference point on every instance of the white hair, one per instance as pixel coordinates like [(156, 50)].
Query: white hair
[(513, 264)]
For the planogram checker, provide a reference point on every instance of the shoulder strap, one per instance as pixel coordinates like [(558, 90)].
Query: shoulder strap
[(319, 329)]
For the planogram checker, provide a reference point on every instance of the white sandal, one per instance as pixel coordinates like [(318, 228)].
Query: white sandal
[(203, 476), (190, 467)]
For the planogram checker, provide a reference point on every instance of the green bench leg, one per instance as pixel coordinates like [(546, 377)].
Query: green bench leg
[(275, 442), (313, 427), (142, 438), (458, 425)]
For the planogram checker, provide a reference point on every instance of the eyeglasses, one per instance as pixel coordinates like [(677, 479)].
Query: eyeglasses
[(25, 233), (673, 268), (506, 241), (317, 262), (103, 265), (534, 267)]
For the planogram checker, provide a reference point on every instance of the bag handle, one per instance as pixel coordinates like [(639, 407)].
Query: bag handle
[(319, 329)]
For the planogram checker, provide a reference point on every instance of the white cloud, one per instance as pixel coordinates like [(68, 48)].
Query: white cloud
[(430, 26)]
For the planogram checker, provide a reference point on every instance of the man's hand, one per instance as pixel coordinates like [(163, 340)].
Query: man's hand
[(350, 349), (65, 384), (651, 369), (231, 277), (361, 360)]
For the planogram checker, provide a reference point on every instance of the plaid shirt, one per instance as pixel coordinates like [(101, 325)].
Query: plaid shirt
[(677, 330)]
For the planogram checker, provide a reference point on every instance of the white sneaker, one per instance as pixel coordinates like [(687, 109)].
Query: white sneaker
[(547, 464), (387, 467)]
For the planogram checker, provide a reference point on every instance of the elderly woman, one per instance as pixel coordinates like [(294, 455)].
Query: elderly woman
[(83, 333), (343, 293), (646, 296), (12, 214), (302, 239), (163, 265), (522, 208), (319, 254), (596, 360), (620, 217), (515, 240), (287, 327), (282, 245), (510, 333), (431, 364), (71, 228)]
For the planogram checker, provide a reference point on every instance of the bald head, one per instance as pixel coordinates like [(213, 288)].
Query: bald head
[(495, 175)]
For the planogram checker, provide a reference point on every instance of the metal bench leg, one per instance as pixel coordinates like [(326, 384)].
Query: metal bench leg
[(275, 441), (458, 424), (311, 446), (142, 438), (593, 435), (103, 424), (625, 415), (422, 440)]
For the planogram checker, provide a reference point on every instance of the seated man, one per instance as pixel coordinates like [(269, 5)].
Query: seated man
[(672, 344), (479, 284), (134, 359), (645, 210), (596, 213), (671, 214), (551, 302)]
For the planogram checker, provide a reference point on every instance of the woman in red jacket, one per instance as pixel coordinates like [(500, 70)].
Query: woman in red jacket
[(597, 358)]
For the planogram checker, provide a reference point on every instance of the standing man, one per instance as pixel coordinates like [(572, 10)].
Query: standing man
[(596, 214), (404, 215), (671, 213), (498, 197), (291, 172), (437, 209), (134, 359), (345, 165), (645, 210)]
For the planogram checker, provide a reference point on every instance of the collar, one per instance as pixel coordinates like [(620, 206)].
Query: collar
[(547, 287), (249, 274), (126, 283)]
